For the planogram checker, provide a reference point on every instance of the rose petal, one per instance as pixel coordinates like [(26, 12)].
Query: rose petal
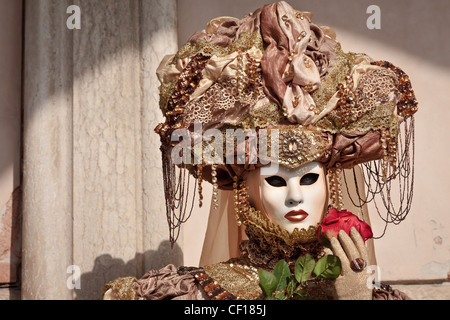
[(341, 220)]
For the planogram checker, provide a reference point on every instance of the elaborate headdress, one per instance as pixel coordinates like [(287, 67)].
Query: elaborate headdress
[(276, 69)]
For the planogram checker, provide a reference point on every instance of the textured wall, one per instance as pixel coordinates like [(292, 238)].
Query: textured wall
[(47, 184), (92, 178), (10, 113)]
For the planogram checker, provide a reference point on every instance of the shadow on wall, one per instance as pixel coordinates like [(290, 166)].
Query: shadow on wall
[(10, 238), (106, 268)]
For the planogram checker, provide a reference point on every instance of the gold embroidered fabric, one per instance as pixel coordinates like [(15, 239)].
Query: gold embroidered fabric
[(375, 87), (165, 91), (213, 108), (245, 41), (343, 65), (262, 116), (122, 289), (408, 105), (237, 276), (382, 116), (297, 146), (212, 288)]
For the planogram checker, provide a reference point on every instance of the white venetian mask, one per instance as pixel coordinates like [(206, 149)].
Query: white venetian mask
[(291, 198)]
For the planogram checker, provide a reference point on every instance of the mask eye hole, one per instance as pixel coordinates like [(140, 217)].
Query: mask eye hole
[(276, 181), (309, 179)]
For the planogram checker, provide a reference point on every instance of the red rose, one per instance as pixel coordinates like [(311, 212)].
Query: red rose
[(342, 220)]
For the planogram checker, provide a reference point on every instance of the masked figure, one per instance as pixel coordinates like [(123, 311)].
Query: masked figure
[(271, 111)]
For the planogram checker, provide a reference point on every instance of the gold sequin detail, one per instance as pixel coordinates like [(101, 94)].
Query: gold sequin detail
[(123, 288), (374, 87), (238, 277), (297, 145), (246, 40), (262, 117), (407, 105), (383, 116), (342, 66)]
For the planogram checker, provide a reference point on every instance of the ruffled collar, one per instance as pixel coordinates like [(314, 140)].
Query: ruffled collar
[(269, 243)]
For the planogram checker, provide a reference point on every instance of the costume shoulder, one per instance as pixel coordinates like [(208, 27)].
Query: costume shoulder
[(168, 283)]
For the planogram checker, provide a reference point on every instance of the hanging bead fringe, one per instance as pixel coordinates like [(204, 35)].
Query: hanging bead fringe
[(334, 178)]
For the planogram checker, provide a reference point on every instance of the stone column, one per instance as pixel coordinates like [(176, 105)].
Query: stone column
[(159, 37), (103, 212), (48, 151), (107, 144)]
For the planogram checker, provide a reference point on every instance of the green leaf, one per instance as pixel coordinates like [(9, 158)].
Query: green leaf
[(291, 287), (277, 281), (328, 267), (268, 282), (280, 295), (304, 266), (300, 295), (282, 273)]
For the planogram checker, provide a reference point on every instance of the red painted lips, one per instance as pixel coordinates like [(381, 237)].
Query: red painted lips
[(296, 215)]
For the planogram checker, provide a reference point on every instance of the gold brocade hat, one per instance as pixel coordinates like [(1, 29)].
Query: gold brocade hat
[(282, 83)]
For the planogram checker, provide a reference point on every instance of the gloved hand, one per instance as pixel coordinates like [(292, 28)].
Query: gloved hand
[(351, 250)]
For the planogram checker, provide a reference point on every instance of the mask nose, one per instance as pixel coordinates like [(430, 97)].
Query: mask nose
[(294, 193)]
